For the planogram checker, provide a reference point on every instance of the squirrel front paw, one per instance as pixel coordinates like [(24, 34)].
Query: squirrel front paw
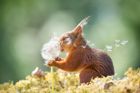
[(58, 59), (51, 63)]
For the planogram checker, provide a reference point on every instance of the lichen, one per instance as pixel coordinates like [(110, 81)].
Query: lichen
[(69, 83)]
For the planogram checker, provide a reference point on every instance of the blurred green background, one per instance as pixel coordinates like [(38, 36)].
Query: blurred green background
[(25, 25)]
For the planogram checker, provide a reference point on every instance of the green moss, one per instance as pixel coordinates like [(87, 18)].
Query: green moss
[(69, 83)]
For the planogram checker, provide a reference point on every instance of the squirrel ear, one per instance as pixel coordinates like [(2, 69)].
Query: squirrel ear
[(79, 28)]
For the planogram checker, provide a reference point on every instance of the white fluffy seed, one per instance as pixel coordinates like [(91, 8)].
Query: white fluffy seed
[(51, 50)]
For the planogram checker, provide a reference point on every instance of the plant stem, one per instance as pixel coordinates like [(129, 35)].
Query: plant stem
[(52, 79)]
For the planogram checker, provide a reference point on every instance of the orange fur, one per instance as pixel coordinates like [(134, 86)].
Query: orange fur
[(90, 62)]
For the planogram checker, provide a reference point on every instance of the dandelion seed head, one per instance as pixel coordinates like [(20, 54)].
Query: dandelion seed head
[(51, 50)]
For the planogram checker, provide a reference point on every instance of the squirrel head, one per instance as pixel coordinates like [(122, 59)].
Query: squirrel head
[(73, 39)]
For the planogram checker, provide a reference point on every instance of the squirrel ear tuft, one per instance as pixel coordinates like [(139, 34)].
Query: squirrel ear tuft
[(79, 28)]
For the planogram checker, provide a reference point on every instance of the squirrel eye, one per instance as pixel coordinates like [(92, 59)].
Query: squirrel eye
[(67, 40)]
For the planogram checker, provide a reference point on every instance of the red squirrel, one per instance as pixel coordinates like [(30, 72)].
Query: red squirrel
[(90, 62)]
